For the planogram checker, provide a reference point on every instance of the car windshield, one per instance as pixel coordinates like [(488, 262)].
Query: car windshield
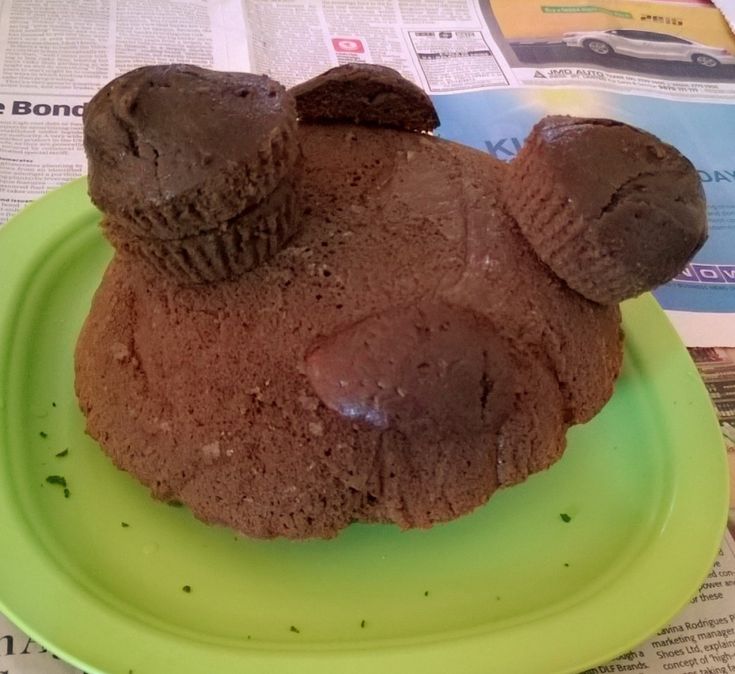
[(648, 36)]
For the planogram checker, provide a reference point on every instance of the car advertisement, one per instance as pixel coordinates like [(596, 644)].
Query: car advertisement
[(688, 40)]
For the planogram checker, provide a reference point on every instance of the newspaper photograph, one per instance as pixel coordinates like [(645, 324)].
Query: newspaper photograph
[(681, 49)]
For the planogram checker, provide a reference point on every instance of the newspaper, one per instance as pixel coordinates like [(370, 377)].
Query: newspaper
[(492, 67)]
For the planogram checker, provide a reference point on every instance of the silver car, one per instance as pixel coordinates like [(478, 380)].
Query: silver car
[(647, 44)]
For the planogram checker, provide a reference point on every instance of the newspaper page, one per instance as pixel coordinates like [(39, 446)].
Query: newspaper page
[(55, 55), (443, 46), (717, 367), (668, 48)]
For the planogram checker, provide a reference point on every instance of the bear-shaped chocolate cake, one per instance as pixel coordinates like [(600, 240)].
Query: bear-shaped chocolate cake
[(318, 313)]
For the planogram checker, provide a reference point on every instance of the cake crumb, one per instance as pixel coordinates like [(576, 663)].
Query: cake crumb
[(120, 352), (309, 403), (212, 450), (256, 392)]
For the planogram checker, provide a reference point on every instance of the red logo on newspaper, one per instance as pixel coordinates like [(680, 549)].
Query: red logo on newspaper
[(348, 44)]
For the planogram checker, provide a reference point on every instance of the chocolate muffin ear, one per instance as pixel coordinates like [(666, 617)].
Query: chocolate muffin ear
[(194, 169), (611, 209), (365, 94)]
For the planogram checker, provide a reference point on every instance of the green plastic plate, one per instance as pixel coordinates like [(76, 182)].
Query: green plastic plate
[(509, 588)]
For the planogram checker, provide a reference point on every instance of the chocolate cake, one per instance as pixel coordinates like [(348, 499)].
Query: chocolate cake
[(611, 209), (404, 356), (365, 94), (193, 168)]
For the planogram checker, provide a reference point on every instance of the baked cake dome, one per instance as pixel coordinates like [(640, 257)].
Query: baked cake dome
[(412, 342)]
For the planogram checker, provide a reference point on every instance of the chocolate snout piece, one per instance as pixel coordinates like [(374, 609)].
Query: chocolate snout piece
[(426, 368)]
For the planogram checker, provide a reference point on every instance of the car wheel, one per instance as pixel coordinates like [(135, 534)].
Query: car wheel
[(598, 47), (705, 60)]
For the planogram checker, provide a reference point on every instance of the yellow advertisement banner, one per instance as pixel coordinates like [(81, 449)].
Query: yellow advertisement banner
[(539, 19)]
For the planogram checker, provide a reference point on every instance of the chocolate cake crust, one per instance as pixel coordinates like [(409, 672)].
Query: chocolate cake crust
[(365, 94), (177, 150)]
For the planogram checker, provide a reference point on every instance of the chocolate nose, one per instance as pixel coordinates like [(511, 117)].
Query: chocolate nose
[(430, 367)]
